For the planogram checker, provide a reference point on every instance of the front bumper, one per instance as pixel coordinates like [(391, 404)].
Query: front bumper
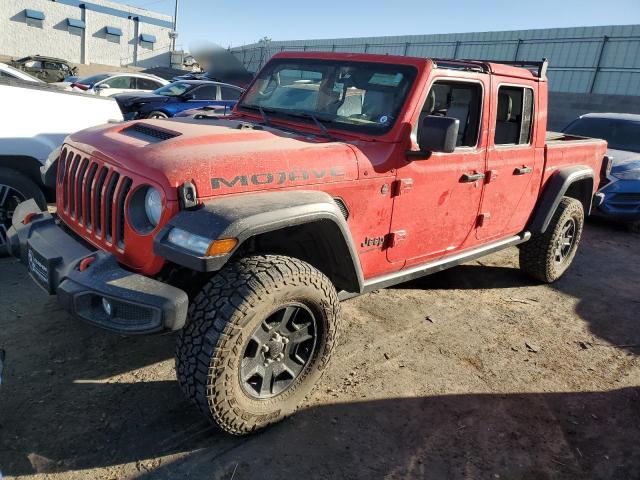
[(139, 304), (621, 200)]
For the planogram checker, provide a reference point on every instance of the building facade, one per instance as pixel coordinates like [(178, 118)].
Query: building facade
[(93, 31), (592, 60)]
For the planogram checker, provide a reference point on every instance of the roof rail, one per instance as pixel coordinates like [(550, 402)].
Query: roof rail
[(540, 67)]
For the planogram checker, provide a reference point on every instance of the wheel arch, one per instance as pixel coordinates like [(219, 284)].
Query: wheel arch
[(28, 166), (303, 224), (576, 182)]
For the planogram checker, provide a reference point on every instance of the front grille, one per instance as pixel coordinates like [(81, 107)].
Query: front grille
[(626, 197), (93, 197)]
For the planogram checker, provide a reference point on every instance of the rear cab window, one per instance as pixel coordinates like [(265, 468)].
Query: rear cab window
[(514, 115)]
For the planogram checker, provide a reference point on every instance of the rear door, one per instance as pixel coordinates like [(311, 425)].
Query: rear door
[(118, 84), (437, 198), (203, 95), (511, 159), (146, 84)]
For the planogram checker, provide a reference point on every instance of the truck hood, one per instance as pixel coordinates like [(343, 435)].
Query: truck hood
[(230, 156)]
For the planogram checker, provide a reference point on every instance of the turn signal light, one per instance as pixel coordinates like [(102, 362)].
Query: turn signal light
[(220, 247)]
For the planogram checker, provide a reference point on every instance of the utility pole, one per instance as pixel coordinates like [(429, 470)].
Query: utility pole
[(175, 27)]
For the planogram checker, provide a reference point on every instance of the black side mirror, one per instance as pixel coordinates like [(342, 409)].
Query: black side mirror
[(189, 96), (438, 134)]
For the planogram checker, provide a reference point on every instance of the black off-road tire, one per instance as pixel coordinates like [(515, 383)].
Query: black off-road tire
[(221, 319), (25, 188), (538, 256)]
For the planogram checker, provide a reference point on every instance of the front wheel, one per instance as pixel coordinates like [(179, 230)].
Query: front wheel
[(157, 114), (258, 337), (15, 188), (547, 256)]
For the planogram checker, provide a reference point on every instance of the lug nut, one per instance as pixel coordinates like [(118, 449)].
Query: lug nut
[(265, 348), (285, 340)]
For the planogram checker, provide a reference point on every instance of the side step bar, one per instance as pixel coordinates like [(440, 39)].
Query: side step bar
[(418, 271)]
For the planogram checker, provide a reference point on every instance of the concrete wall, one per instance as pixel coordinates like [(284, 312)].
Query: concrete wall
[(90, 45), (565, 107)]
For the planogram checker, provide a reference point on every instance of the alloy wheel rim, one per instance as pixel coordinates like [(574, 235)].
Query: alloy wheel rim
[(9, 200), (564, 244), (278, 351)]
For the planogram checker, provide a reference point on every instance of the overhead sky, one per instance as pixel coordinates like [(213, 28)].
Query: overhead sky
[(238, 22)]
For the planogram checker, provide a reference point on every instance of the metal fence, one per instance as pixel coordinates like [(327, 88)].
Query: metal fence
[(602, 60)]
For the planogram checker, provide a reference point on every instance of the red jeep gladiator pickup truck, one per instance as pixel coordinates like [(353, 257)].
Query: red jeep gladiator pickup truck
[(337, 174)]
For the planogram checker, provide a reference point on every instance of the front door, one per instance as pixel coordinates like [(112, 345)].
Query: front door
[(511, 162), (437, 197)]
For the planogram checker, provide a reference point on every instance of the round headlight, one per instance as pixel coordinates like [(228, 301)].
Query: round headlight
[(145, 209), (153, 205)]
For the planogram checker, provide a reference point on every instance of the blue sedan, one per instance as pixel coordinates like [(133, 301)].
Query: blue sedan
[(622, 187), (171, 99)]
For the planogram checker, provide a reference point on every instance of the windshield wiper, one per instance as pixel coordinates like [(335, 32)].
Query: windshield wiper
[(315, 120)]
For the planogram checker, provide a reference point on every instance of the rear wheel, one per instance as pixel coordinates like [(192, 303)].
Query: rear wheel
[(15, 188), (258, 337), (157, 114), (547, 256)]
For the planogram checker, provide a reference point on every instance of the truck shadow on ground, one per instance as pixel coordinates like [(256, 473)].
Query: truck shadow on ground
[(519, 436), (603, 278)]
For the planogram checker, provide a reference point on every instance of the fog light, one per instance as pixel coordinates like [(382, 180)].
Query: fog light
[(107, 307)]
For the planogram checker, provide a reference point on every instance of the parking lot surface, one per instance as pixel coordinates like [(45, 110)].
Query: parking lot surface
[(472, 373)]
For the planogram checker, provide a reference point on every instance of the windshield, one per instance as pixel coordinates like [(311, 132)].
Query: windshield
[(364, 97), (174, 89), (93, 79), (620, 134)]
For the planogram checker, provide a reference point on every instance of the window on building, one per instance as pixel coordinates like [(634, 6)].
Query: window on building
[(34, 18), (229, 93), (456, 100), (75, 27), (147, 41), (113, 34), (513, 116)]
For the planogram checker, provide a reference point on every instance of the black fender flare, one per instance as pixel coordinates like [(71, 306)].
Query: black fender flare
[(246, 216), (556, 188)]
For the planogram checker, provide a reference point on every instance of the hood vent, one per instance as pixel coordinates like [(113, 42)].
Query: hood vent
[(149, 133)]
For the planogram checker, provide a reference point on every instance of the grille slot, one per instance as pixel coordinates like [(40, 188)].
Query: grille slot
[(108, 206), (97, 199), (120, 214), (93, 196), (88, 189), (82, 170), (71, 181)]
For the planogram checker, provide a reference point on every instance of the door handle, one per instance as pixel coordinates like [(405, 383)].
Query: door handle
[(471, 177), (522, 170)]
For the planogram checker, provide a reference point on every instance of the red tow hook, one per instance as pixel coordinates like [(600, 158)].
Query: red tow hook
[(28, 217), (85, 263)]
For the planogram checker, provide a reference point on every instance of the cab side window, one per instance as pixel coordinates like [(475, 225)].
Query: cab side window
[(456, 100), (513, 116)]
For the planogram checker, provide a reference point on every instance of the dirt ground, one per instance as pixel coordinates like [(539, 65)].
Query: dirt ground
[(472, 373)]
